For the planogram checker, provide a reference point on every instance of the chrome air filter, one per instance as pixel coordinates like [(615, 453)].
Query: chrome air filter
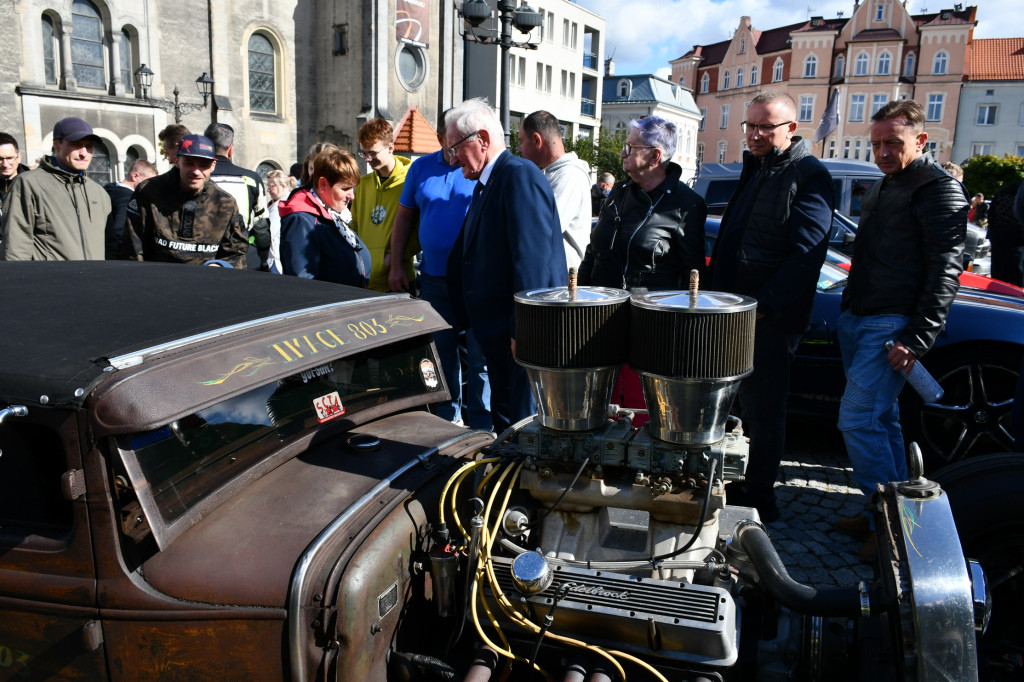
[(691, 350), (571, 342)]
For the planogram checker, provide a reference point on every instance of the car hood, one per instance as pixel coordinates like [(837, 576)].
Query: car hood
[(989, 299), (244, 552)]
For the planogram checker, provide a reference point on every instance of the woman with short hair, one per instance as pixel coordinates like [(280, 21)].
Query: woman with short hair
[(316, 240), (650, 232)]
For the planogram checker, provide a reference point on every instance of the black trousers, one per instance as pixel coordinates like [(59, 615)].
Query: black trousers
[(761, 404)]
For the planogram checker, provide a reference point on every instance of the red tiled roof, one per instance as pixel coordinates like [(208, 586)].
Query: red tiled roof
[(414, 135), (997, 59)]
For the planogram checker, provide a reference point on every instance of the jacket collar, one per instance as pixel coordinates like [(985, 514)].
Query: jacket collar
[(301, 202), (51, 165), (485, 174), (672, 174), (397, 176), (798, 149)]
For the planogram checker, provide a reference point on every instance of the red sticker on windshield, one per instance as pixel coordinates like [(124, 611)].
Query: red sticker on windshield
[(328, 407)]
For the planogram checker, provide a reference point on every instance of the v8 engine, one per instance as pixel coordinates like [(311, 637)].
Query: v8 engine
[(579, 546)]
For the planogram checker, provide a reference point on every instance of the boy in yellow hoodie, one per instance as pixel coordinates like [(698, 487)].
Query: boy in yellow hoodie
[(377, 194)]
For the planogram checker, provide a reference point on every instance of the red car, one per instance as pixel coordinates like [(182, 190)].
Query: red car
[(967, 279)]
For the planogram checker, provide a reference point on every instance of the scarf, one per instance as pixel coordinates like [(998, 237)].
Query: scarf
[(339, 222)]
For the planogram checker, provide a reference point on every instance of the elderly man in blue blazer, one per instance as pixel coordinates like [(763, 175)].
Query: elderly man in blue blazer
[(511, 241)]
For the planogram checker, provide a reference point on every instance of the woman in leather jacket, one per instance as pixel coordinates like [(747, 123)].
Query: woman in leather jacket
[(650, 232)]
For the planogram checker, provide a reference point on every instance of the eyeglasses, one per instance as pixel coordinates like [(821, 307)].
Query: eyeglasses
[(372, 154), (763, 129), (8, 159), (628, 148), (451, 150)]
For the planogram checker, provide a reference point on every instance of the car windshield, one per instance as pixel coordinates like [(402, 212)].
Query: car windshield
[(186, 461), (830, 277)]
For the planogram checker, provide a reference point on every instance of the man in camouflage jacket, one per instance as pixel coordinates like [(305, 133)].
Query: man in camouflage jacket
[(182, 216)]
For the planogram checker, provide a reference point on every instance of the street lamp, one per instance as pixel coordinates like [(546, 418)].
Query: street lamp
[(476, 12), (144, 79)]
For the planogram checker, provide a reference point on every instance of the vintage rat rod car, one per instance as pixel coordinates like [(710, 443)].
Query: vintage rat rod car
[(220, 475)]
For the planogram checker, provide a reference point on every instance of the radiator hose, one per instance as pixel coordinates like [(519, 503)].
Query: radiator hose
[(851, 602)]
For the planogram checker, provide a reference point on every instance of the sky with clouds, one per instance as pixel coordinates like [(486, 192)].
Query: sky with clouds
[(643, 35)]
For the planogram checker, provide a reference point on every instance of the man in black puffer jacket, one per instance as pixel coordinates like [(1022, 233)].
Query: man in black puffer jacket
[(907, 261), (771, 245)]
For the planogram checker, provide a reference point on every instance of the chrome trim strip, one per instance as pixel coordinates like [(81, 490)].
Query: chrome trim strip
[(297, 592), (13, 411), (138, 357)]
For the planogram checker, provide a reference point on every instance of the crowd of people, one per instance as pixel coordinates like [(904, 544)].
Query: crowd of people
[(489, 224)]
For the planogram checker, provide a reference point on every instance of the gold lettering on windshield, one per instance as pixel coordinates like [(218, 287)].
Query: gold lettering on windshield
[(326, 342), (312, 343), (293, 346)]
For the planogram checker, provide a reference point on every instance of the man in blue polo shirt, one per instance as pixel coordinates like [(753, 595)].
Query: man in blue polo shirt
[(433, 205)]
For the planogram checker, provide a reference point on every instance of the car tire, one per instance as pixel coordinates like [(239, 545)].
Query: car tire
[(985, 496), (973, 417)]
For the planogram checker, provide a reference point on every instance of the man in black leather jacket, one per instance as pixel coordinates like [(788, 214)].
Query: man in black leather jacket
[(906, 262), (770, 246)]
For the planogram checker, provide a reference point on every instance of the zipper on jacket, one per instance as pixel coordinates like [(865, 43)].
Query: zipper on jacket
[(629, 244), (70, 186)]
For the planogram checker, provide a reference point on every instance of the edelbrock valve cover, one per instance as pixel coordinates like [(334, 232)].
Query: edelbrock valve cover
[(669, 619)]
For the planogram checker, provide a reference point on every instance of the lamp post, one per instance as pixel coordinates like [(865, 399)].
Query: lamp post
[(475, 13), (144, 79)]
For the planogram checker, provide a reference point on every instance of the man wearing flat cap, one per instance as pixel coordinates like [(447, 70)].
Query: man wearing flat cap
[(184, 217), (55, 212)]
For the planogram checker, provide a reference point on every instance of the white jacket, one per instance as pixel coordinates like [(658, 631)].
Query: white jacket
[(570, 183)]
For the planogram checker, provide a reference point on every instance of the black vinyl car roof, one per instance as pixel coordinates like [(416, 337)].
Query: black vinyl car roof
[(63, 321)]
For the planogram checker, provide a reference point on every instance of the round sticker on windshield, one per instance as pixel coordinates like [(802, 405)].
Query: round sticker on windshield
[(428, 372)]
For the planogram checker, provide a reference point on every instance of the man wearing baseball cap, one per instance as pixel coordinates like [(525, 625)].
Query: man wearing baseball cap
[(55, 212), (184, 217)]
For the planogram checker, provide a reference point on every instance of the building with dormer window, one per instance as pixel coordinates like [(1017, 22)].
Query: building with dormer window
[(881, 52)]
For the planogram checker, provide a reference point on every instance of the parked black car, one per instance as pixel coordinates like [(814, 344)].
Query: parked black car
[(976, 359)]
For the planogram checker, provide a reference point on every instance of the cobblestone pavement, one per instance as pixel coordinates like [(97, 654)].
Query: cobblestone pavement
[(816, 487)]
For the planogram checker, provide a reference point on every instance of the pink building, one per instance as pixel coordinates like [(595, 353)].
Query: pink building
[(880, 53)]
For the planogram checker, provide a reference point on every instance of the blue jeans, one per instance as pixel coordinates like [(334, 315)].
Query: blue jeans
[(761, 404), (869, 415), (471, 406)]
